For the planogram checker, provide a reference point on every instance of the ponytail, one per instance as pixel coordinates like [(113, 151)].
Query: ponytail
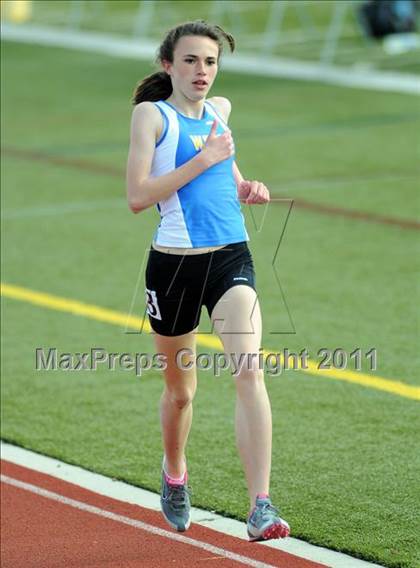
[(155, 87), (158, 86)]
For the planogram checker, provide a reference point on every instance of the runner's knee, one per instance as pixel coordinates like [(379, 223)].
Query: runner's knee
[(181, 398), (249, 377)]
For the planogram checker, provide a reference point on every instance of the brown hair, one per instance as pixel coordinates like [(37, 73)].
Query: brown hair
[(159, 85)]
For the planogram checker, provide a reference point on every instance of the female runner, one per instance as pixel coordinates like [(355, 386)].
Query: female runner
[(181, 159)]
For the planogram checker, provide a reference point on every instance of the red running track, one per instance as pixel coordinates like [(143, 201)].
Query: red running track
[(40, 531)]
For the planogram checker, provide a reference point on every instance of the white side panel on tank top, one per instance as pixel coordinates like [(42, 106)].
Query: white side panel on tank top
[(172, 228)]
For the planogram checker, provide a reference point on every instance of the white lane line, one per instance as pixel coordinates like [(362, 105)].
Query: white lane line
[(134, 523), (271, 66), (130, 494)]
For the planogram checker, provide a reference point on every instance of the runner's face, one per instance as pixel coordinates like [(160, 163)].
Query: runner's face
[(194, 67)]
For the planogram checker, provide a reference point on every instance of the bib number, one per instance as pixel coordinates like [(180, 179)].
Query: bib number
[(152, 304)]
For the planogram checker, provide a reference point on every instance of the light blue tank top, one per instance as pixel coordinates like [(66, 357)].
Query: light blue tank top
[(206, 211)]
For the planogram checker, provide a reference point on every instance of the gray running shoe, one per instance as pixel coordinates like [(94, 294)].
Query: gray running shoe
[(175, 503), (264, 522)]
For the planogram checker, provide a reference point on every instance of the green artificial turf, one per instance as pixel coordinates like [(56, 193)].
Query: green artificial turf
[(344, 456)]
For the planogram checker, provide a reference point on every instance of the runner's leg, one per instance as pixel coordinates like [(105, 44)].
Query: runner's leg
[(237, 321), (176, 401)]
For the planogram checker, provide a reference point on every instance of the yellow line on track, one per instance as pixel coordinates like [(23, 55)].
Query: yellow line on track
[(134, 322)]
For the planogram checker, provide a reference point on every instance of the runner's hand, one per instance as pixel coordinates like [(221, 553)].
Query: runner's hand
[(253, 192), (218, 148)]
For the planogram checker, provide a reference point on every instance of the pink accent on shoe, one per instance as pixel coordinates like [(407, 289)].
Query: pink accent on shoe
[(174, 481), (262, 496)]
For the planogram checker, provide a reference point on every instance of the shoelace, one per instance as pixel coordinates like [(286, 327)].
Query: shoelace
[(177, 495), (266, 508)]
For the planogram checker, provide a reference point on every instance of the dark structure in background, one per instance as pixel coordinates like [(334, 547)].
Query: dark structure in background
[(380, 18)]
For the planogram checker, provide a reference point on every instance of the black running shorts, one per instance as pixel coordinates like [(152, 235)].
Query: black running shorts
[(177, 286)]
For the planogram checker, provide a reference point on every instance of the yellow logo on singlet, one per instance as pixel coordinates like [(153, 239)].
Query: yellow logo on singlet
[(198, 140)]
